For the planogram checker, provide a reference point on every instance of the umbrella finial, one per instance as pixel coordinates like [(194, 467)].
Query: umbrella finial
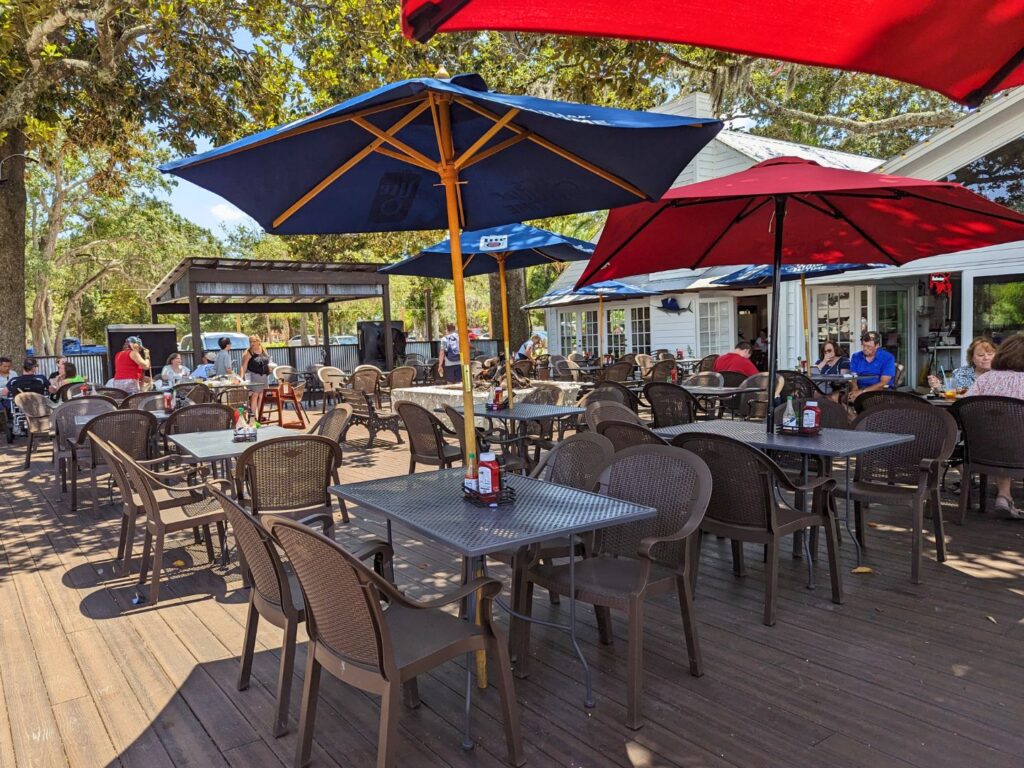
[(442, 73)]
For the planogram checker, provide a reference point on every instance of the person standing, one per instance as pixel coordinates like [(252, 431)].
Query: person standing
[(130, 365), (256, 367), (222, 365), (737, 361), (528, 349), (448, 364), (875, 367)]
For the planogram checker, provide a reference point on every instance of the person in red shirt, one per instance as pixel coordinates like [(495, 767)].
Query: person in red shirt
[(738, 360)]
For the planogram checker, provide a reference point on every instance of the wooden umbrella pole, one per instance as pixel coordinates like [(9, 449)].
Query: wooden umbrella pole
[(504, 322), (600, 324)]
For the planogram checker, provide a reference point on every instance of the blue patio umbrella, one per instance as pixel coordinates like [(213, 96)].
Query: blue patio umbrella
[(446, 154), (498, 249), (607, 289)]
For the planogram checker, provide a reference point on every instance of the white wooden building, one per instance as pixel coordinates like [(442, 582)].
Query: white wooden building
[(984, 151)]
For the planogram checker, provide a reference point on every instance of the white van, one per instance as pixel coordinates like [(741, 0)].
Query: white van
[(239, 341)]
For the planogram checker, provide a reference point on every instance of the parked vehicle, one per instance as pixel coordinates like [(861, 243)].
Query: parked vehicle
[(297, 341), (238, 341), (71, 345), (344, 340)]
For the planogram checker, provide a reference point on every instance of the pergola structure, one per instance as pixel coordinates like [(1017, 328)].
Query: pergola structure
[(229, 286)]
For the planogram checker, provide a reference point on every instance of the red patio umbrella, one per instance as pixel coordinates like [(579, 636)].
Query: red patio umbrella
[(965, 50), (792, 211)]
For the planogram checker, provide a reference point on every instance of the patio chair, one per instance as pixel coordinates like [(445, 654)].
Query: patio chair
[(204, 417), (66, 431), (115, 394), (275, 596), (605, 411), (670, 404), (523, 368), (906, 475), (67, 391), (754, 510), (143, 401), (753, 406), (624, 434), (234, 397), (134, 432), (195, 509), (198, 394), (37, 415), (704, 379), (539, 434), (367, 378), (612, 391), (707, 363), (628, 357), (427, 444), (799, 386), (332, 379), (369, 415), (565, 370), (660, 371), (992, 429), (886, 397), (401, 377), (487, 440), (636, 561), (334, 423), (577, 357), (619, 371), (643, 363), (289, 477), (383, 651)]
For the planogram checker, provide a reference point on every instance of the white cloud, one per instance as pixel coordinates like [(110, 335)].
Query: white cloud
[(226, 212)]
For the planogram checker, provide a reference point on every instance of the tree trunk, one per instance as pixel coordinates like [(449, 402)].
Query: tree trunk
[(518, 319), (12, 246)]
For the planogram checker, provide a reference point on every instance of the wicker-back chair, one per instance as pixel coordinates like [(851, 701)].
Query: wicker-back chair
[(704, 379), (732, 378), (618, 371), (707, 363), (906, 474), (992, 429), (577, 357), (635, 561), (275, 596), (609, 410), (565, 370), (624, 434), (611, 392), (289, 477), (401, 377), (755, 509), (334, 423), (37, 415), (193, 508), (66, 431), (67, 391), (331, 379), (799, 386), (877, 397), (660, 371), (204, 417), (523, 368), (115, 394), (629, 357), (134, 432), (670, 404), (378, 651), (754, 405), (143, 401), (197, 393), (487, 441), (427, 444), (542, 394), (233, 396)]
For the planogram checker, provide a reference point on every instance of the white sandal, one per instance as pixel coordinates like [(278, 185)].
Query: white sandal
[(1008, 507)]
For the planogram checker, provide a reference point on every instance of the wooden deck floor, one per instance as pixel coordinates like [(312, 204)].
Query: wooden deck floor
[(901, 675)]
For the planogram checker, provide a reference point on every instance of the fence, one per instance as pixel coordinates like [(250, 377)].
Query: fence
[(345, 356)]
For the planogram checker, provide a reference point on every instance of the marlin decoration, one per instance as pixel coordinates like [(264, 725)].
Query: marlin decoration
[(671, 304)]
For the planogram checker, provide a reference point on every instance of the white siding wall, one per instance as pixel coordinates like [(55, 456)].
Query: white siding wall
[(673, 331)]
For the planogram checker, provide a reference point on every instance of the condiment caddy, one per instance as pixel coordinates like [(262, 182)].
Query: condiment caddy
[(805, 422)]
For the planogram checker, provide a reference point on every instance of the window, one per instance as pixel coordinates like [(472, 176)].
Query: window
[(588, 332), (567, 332), (640, 327), (999, 305), (832, 313), (615, 332), (998, 175), (715, 326)]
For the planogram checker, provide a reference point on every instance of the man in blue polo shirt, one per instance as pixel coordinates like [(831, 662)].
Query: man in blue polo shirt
[(875, 367)]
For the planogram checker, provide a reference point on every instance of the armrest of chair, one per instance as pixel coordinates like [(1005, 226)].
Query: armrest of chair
[(320, 518)]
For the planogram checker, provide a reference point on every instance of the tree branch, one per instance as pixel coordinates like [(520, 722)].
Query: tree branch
[(931, 119)]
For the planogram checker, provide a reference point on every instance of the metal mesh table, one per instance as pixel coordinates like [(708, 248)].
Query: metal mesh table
[(527, 412), (431, 504), (219, 445)]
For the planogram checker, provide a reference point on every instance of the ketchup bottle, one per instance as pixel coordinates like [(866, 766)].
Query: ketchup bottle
[(810, 418), (488, 475)]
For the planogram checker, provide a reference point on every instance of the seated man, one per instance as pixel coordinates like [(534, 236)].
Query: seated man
[(30, 380), (875, 367), (206, 369), (738, 360)]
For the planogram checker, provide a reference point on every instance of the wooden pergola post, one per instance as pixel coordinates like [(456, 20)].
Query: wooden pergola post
[(325, 314), (389, 347)]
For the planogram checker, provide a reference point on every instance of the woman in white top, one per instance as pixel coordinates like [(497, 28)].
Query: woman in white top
[(174, 370)]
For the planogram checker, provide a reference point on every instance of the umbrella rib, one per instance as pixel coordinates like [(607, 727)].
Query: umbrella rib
[(398, 144), (345, 167), (809, 204), (487, 135), (743, 213), (1002, 217), (298, 131), (860, 231), (555, 149), (402, 157), (501, 147)]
